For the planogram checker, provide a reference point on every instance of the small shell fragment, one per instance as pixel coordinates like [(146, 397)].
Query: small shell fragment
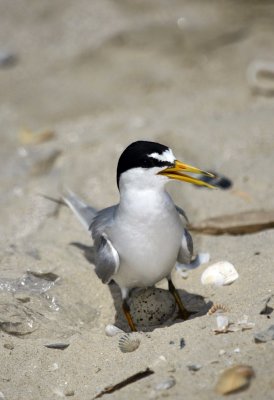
[(219, 274), (244, 325), (235, 378), (112, 330), (129, 342), (217, 308), (166, 384), (222, 322)]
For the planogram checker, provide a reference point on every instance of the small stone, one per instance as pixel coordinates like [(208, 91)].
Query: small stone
[(7, 59), (194, 367), (264, 336), (69, 393), (268, 306), (22, 298), (9, 346), (57, 346)]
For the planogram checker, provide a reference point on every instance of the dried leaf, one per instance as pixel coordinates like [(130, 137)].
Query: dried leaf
[(236, 224), (27, 136)]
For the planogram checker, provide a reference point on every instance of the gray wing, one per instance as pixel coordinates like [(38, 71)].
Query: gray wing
[(182, 213), (186, 250), (106, 257), (84, 213)]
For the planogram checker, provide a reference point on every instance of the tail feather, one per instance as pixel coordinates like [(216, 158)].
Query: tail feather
[(84, 213)]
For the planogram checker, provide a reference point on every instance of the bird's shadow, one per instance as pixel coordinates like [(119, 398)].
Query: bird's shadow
[(195, 303)]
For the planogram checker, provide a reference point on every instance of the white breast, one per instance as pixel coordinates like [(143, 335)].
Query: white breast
[(147, 234)]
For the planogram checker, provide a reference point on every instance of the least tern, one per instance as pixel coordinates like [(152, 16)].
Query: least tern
[(138, 241)]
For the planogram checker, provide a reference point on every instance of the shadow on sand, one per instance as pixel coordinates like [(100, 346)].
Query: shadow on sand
[(194, 303)]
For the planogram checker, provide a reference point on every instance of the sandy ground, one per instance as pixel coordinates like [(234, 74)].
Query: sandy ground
[(99, 75)]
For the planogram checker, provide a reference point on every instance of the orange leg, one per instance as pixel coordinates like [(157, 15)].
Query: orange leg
[(128, 316), (185, 314)]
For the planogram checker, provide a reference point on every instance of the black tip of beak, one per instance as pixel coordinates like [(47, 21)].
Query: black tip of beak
[(217, 180)]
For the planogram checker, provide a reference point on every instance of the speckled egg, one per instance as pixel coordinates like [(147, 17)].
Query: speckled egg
[(151, 306)]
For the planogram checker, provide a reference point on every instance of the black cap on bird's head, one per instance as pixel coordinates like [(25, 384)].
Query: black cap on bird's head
[(145, 155), (137, 155)]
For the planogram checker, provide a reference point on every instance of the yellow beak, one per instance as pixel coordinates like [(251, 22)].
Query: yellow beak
[(177, 172)]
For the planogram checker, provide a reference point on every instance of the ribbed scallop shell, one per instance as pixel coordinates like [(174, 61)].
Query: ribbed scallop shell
[(217, 308), (219, 274), (129, 342)]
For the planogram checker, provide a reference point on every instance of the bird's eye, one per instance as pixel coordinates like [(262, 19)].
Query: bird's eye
[(145, 163)]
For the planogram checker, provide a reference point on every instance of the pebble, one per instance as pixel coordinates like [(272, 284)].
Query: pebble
[(194, 367), (57, 346), (7, 59), (264, 336), (69, 393), (9, 346)]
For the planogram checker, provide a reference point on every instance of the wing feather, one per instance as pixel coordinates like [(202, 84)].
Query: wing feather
[(186, 250), (84, 213), (106, 256)]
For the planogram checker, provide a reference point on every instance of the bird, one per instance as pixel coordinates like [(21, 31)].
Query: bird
[(138, 241)]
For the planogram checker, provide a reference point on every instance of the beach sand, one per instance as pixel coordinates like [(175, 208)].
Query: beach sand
[(79, 82)]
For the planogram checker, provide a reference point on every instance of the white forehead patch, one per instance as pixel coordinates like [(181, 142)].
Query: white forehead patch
[(167, 155)]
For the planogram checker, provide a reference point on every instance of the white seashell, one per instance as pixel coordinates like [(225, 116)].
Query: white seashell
[(222, 322), (112, 330), (219, 274), (129, 342)]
